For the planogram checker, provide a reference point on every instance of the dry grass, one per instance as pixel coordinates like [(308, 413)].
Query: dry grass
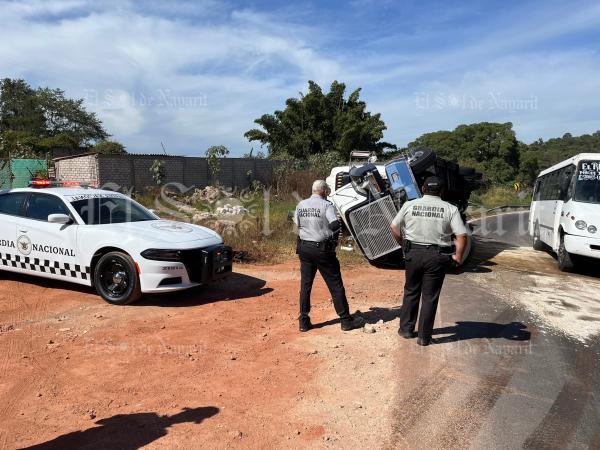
[(263, 236)]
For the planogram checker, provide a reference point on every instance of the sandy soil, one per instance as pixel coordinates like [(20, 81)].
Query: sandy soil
[(218, 367)]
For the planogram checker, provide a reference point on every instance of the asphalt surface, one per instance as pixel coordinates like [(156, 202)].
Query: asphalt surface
[(509, 228), (504, 375)]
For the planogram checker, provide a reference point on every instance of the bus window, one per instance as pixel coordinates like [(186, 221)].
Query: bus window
[(587, 183), (536, 190)]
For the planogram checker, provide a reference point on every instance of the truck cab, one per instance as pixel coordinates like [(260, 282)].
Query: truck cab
[(368, 194)]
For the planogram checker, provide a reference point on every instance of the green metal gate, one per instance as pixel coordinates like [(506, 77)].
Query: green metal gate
[(17, 173)]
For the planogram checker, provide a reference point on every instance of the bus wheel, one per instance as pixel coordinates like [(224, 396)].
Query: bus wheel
[(565, 260), (537, 242)]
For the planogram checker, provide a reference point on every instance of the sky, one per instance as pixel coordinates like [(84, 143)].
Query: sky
[(191, 74)]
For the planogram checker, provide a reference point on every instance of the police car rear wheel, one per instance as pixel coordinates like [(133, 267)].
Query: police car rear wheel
[(116, 279)]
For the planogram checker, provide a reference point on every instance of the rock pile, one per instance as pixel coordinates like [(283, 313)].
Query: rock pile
[(231, 210)]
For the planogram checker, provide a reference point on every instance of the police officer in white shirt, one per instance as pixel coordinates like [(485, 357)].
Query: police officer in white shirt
[(425, 227), (318, 230)]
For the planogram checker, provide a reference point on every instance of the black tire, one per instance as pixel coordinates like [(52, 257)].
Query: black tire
[(422, 160), (537, 242), (466, 171), (113, 266), (565, 259)]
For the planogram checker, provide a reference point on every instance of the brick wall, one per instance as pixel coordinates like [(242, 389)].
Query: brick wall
[(134, 170), (83, 168)]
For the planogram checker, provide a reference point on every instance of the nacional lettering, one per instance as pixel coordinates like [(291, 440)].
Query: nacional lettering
[(53, 250), (309, 212), (436, 212), (50, 249)]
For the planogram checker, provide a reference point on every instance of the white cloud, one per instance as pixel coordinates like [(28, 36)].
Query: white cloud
[(194, 74), (170, 79)]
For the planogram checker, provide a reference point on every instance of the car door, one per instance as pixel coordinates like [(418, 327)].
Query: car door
[(11, 208), (49, 248)]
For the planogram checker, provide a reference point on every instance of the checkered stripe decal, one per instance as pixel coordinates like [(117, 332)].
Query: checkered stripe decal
[(45, 265)]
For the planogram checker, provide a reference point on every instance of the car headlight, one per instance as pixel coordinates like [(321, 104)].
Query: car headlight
[(580, 225), (157, 254), (592, 229)]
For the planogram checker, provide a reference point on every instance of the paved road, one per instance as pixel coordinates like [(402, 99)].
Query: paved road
[(509, 228), (519, 367)]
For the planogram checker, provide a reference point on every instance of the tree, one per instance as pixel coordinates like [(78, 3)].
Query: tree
[(157, 169), (490, 147), (109, 148), (319, 123), (212, 155), (38, 120)]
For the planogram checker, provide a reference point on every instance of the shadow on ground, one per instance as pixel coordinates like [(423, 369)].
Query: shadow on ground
[(45, 282), (462, 331), (126, 431), (236, 286), (480, 261), (372, 316)]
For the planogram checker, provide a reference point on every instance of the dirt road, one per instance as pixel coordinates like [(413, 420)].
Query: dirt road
[(219, 367), (224, 366)]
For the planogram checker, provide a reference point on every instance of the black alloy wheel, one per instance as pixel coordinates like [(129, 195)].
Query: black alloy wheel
[(116, 279)]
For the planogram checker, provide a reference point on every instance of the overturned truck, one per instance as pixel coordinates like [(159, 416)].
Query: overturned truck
[(367, 196)]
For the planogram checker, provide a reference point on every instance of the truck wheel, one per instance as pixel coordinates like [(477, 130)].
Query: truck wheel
[(116, 279), (565, 259), (537, 242), (466, 171), (422, 159)]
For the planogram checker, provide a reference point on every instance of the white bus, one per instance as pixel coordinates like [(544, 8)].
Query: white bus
[(565, 210)]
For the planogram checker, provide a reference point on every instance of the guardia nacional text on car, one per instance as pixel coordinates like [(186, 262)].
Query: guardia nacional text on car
[(106, 240)]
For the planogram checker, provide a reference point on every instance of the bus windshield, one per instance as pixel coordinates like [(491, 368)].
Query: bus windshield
[(587, 182)]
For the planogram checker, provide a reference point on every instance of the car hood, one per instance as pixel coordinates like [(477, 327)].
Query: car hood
[(166, 231)]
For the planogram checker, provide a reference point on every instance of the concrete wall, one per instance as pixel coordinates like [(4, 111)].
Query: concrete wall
[(134, 170)]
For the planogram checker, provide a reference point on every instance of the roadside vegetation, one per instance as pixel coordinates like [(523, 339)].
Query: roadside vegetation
[(307, 137), (501, 196)]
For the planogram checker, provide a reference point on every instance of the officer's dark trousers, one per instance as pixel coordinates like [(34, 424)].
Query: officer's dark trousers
[(425, 272), (314, 258)]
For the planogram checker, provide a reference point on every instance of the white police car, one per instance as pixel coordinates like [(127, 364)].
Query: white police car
[(104, 239)]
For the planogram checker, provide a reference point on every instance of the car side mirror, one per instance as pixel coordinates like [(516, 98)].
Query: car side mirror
[(62, 219)]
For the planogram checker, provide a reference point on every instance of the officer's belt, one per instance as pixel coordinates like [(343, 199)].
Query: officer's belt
[(441, 248), (312, 243)]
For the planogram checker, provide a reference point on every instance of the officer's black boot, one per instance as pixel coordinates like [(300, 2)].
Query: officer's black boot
[(425, 341), (352, 323), (407, 334), (305, 324)]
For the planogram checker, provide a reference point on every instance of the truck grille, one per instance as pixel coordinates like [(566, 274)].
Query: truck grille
[(371, 225)]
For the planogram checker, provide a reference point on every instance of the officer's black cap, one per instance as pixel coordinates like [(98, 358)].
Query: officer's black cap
[(433, 183)]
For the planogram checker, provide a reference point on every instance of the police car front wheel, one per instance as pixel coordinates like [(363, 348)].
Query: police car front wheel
[(116, 279)]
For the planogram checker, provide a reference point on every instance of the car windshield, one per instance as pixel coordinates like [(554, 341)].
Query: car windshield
[(587, 183), (106, 210)]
